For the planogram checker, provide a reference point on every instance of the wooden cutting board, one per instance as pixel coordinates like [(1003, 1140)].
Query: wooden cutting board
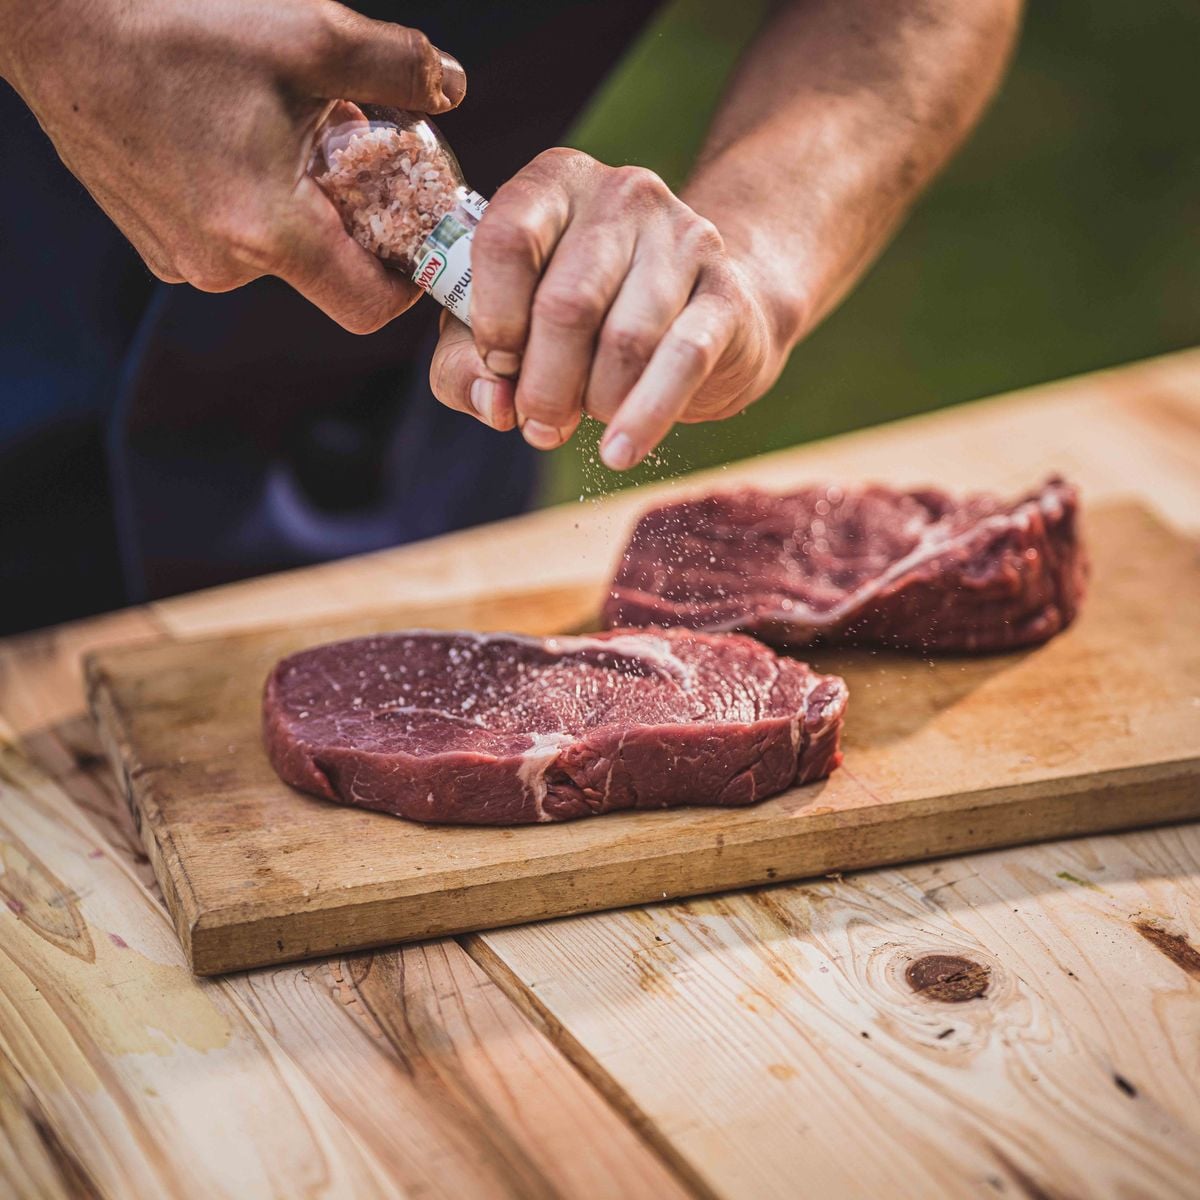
[(1098, 730)]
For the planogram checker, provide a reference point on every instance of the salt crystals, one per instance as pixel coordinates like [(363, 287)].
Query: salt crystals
[(401, 195), (391, 186)]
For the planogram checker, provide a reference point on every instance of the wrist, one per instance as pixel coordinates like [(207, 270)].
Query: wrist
[(774, 285), (764, 258)]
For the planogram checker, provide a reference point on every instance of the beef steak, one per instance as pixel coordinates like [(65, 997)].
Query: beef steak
[(867, 565), (497, 729)]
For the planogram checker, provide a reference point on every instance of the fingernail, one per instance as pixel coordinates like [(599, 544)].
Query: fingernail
[(502, 362), (618, 453), (541, 436), (454, 78), (483, 399)]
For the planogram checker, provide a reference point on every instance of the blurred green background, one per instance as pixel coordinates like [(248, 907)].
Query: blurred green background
[(1065, 236)]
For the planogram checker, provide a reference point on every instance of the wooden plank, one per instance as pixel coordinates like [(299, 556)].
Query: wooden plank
[(398, 1074), (41, 672), (980, 752), (1124, 432), (802, 1032), (98, 1012), (1130, 431), (420, 1037), (33, 1162), (1106, 929)]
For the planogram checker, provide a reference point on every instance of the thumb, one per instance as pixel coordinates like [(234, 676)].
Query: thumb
[(461, 381), (378, 62)]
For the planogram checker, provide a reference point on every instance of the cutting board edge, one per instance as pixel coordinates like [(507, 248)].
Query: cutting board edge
[(199, 920), (762, 831), (587, 597), (183, 906), (222, 940)]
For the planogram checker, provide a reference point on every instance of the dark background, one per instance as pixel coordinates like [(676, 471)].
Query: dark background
[(1065, 236)]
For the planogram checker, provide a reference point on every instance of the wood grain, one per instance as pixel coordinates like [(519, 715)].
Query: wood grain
[(1102, 934), (399, 1074), (99, 1014), (33, 1161), (940, 756), (779, 1031), (40, 671), (445, 1086)]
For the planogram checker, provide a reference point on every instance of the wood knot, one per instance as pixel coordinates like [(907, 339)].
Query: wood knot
[(1174, 945), (948, 978)]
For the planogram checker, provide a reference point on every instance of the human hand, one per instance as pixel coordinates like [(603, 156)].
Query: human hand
[(192, 126), (595, 289)]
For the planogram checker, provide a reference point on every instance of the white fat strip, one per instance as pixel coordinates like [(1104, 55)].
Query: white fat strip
[(929, 544), (648, 647), (535, 762), (395, 710)]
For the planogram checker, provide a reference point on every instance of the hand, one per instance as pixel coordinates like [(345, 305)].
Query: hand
[(192, 124), (596, 290)]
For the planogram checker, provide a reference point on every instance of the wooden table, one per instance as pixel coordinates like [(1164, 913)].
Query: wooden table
[(1018, 1023)]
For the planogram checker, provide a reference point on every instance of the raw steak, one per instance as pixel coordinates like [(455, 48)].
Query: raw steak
[(867, 565), (497, 729)]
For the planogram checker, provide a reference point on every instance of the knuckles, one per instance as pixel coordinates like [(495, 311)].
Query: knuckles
[(697, 350), (503, 332), (229, 254), (328, 36), (506, 236), (545, 406), (642, 191), (212, 275), (578, 308), (258, 249), (632, 346), (700, 237), (638, 185), (162, 270), (424, 66), (562, 159)]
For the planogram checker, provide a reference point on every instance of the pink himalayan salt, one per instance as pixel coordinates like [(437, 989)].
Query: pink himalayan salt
[(391, 187)]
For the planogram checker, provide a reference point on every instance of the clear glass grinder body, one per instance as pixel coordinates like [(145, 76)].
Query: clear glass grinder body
[(401, 195)]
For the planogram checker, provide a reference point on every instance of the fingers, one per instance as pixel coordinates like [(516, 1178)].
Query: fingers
[(461, 381), (378, 62), (684, 359), (569, 307), (655, 292), (333, 271), (511, 248)]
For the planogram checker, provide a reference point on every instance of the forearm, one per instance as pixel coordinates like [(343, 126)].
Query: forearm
[(838, 116)]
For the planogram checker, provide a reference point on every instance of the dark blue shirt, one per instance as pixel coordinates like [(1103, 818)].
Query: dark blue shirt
[(157, 439)]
